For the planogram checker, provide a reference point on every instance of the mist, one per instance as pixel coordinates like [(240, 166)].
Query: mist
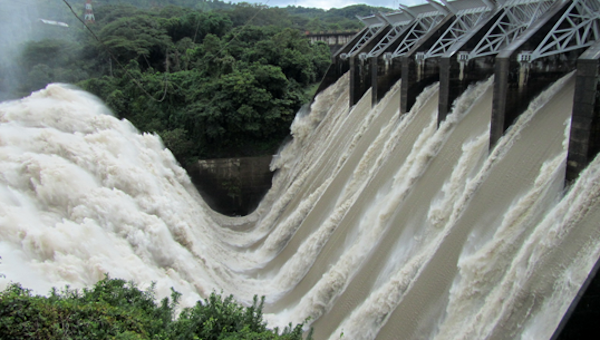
[(20, 23), (16, 24)]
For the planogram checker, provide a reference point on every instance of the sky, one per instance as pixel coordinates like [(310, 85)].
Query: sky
[(327, 4)]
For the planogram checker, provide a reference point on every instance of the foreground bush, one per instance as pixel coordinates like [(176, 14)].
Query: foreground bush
[(115, 309)]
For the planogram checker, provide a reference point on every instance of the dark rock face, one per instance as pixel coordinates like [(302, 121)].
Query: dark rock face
[(232, 186)]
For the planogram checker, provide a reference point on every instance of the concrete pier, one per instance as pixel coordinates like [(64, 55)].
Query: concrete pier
[(584, 142), (418, 73), (458, 71), (385, 72), (519, 77), (360, 68)]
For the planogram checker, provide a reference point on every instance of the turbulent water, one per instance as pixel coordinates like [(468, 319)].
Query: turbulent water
[(377, 226)]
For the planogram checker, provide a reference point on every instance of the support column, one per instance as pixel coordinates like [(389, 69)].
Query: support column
[(457, 71), (584, 140), (501, 83), (417, 72), (518, 79), (385, 72), (456, 76), (359, 81), (360, 67)]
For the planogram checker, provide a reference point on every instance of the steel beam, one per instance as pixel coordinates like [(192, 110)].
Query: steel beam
[(384, 62), (419, 73), (472, 59), (466, 19), (420, 66), (542, 54), (360, 74)]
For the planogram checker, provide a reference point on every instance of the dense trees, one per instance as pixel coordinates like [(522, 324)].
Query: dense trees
[(119, 310), (213, 79), (335, 18), (208, 87)]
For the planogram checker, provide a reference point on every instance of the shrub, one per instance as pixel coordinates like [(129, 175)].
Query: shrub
[(117, 309)]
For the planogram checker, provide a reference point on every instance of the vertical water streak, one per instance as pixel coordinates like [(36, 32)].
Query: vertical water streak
[(376, 225), (410, 249), (480, 211)]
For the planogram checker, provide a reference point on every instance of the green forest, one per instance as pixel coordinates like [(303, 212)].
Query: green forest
[(212, 79)]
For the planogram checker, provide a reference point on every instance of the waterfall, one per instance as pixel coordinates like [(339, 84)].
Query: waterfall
[(377, 224)]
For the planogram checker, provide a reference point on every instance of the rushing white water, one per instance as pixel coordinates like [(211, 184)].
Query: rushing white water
[(376, 224)]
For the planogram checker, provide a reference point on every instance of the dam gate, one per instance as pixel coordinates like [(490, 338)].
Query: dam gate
[(525, 44)]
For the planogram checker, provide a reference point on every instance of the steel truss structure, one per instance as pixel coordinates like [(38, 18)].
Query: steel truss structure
[(374, 25), (578, 27), (516, 16), (422, 25), (466, 19), (399, 25)]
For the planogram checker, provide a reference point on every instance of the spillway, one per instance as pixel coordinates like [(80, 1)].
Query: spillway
[(378, 225)]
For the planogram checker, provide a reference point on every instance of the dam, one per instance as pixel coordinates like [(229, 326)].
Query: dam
[(402, 208), (525, 44)]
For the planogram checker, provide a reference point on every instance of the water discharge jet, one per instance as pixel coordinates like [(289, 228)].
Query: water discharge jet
[(377, 223)]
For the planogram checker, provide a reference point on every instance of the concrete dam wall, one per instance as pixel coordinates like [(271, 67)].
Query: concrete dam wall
[(232, 186)]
